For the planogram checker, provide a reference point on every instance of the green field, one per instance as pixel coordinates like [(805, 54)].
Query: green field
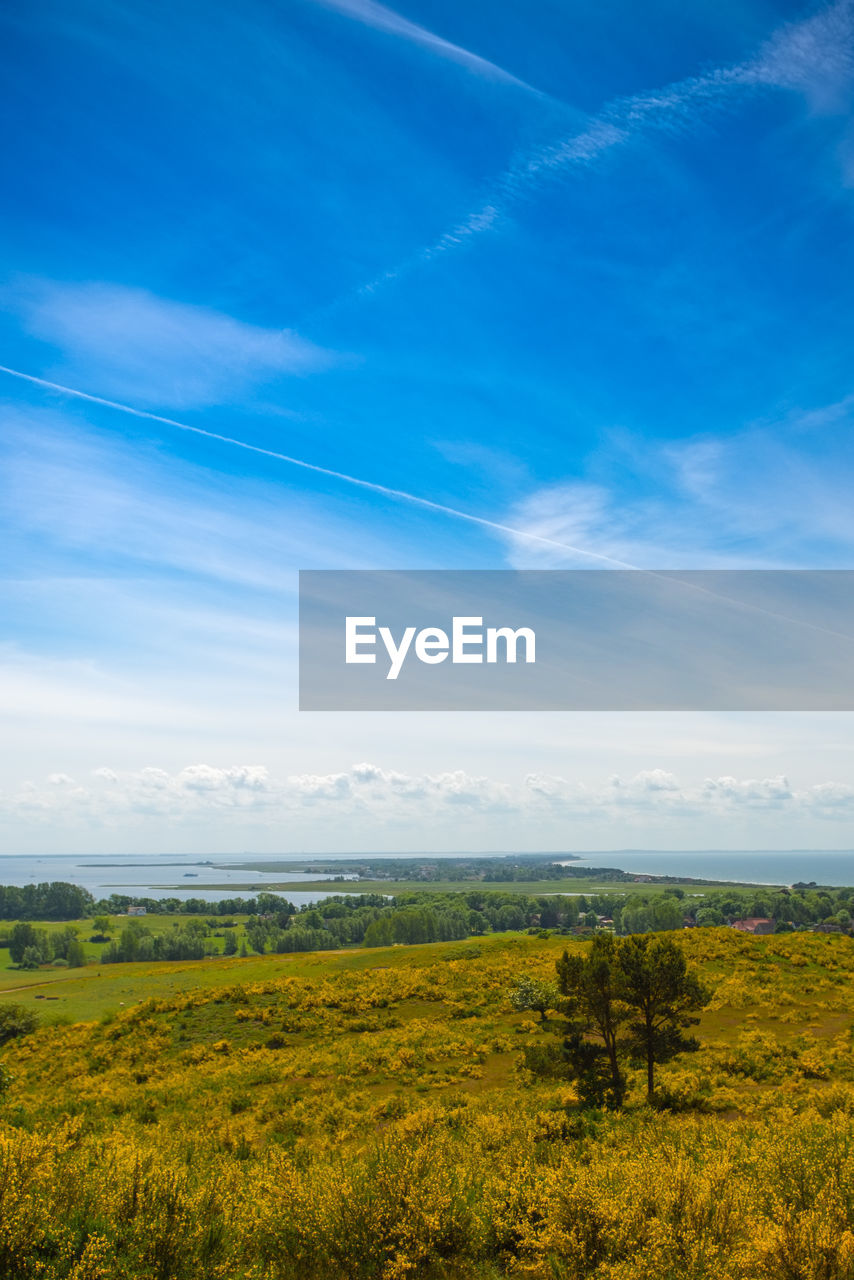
[(88, 991), (532, 888), (153, 921), (81, 995)]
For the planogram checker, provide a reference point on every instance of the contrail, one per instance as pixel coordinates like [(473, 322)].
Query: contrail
[(817, 48), (401, 495), (398, 495), (372, 14)]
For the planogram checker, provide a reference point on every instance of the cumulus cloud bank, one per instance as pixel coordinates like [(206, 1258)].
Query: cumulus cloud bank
[(236, 793)]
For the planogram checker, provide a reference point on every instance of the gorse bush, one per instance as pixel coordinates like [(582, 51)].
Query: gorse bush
[(368, 1116), (437, 1197), (16, 1020)]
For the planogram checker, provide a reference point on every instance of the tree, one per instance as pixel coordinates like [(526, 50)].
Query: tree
[(230, 947), (658, 914), (510, 916), (626, 999), (477, 922), (662, 994), (452, 926), (64, 944), (257, 938), (591, 985), (533, 995), (102, 924), (22, 937), (378, 933), (549, 914)]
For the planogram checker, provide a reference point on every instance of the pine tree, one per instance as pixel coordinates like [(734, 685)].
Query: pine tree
[(663, 995)]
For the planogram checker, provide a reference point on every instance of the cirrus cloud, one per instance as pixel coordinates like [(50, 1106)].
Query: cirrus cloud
[(129, 342)]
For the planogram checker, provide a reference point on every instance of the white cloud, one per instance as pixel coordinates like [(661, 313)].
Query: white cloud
[(310, 788), (656, 780), (695, 504), (651, 794), (202, 777), (131, 508), (760, 792), (558, 523), (828, 799), (236, 793), (813, 58), (129, 342)]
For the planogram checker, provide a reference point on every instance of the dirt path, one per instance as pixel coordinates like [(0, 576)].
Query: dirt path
[(28, 986)]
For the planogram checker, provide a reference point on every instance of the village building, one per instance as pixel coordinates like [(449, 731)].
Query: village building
[(754, 924)]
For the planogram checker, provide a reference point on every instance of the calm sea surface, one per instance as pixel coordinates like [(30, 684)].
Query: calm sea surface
[(756, 868), (147, 876)]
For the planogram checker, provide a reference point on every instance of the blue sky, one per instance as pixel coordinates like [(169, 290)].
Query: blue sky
[(581, 271)]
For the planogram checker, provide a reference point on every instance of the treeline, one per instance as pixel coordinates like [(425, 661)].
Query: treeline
[(795, 908), (373, 920), (274, 925), (488, 909), (118, 903), (447, 867), (345, 920), (54, 900), (498, 873)]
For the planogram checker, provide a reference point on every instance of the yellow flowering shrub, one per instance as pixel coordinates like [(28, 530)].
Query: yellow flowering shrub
[(371, 1123)]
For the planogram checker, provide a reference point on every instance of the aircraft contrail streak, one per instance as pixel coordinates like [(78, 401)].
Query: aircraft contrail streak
[(399, 495)]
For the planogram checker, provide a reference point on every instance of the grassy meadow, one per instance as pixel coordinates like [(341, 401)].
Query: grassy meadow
[(366, 1113), (573, 886), (85, 930)]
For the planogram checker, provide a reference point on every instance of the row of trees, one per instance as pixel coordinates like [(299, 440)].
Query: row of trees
[(118, 903), (627, 1001), (416, 924), (374, 919), (500, 872), (53, 900), (630, 912)]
